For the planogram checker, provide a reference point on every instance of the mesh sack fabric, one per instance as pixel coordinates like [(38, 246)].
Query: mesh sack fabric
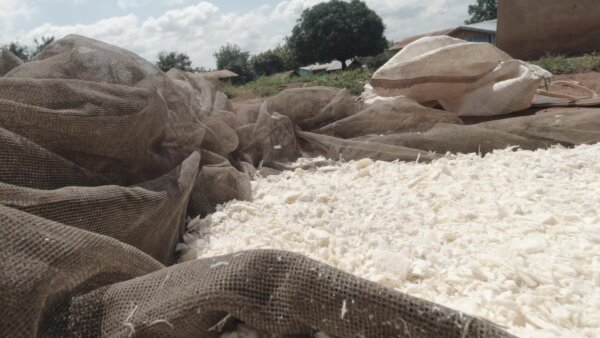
[(8, 61), (103, 157), (107, 288)]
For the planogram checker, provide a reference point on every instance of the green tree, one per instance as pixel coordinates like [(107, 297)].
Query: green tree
[(231, 57), (202, 69), (376, 61), (267, 63), (41, 44), (483, 10), (290, 62), (337, 30), (275, 60), (180, 61), (21, 51), (25, 53)]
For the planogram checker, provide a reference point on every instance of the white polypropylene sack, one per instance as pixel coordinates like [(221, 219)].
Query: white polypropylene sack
[(468, 79)]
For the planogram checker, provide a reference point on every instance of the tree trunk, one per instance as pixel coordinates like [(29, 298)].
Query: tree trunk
[(344, 67)]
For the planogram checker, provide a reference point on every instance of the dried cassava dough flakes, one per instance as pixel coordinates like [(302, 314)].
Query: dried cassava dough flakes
[(513, 237)]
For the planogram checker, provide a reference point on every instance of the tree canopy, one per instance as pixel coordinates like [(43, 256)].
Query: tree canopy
[(267, 63), (25, 53), (276, 60), (337, 30), (19, 50), (290, 60), (376, 61), (231, 57), (41, 44), (168, 60), (483, 10)]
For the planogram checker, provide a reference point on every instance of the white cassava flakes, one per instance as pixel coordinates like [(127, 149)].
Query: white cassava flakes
[(513, 237)]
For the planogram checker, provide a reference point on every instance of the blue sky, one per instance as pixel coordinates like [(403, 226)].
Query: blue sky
[(199, 27)]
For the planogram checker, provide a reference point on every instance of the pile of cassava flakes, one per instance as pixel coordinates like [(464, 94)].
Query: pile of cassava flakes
[(513, 237)]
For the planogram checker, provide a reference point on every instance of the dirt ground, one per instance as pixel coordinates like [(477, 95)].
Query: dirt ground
[(590, 80)]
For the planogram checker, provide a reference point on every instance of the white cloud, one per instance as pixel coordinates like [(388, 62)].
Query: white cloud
[(404, 18), (13, 10), (110, 30), (130, 4), (11, 13), (188, 18), (200, 29), (292, 9)]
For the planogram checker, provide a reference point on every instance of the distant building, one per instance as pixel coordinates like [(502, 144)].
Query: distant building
[(479, 32), (312, 70), (332, 67), (336, 66)]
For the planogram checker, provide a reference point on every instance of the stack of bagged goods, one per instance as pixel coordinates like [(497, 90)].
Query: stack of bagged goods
[(104, 158)]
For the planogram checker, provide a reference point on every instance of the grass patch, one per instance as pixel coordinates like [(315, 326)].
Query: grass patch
[(557, 64), (353, 80)]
